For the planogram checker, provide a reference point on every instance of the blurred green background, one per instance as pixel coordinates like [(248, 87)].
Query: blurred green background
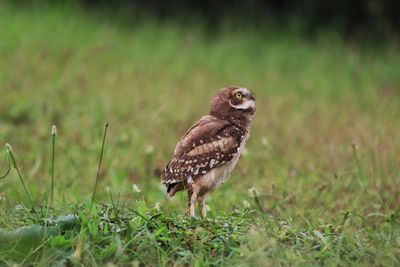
[(324, 77)]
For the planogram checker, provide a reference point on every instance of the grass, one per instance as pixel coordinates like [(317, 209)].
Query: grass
[(316, 198)]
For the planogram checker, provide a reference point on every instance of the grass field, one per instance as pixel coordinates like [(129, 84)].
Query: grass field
[(319, 183)]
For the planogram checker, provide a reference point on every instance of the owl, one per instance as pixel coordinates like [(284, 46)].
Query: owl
[(207, 153)]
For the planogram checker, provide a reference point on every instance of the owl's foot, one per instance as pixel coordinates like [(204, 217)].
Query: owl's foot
[(189, 213), (203, 206)]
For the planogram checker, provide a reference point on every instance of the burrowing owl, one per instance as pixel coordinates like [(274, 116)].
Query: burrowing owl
[(207, 153)]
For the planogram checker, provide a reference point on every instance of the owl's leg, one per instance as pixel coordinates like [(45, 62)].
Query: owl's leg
[(192, 196), (203, 206)]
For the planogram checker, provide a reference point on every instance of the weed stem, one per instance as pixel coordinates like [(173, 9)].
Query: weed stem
[(53, 133), (99, 166), (10, 151)]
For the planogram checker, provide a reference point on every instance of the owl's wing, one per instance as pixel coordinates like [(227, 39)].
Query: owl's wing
[(207, 126), (209, 143)]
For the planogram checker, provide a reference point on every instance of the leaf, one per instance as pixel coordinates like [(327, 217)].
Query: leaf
[(59, 241), (141, 208)]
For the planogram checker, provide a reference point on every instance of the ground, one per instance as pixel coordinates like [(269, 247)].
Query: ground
[(319, 182)]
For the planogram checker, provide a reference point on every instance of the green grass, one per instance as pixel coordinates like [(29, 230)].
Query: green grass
[(318, 202)]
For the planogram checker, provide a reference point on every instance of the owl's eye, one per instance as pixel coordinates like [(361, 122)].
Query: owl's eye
[(238, 95)]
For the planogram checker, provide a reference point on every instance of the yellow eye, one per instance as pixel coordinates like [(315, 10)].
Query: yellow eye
[(238, 95)]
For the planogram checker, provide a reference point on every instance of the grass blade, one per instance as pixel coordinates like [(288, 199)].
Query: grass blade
[(2, 167), (355, 154)]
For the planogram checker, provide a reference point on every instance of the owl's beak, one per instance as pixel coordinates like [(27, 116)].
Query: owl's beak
[(252, 100), (251, 103)]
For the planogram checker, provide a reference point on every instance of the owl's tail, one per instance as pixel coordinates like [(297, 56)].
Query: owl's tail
[(173, 188)]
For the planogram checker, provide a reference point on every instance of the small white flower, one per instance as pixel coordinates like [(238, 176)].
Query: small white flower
[(157, 206), (149, 149), (264, 141), (136, 188), (108, 189), (9, 148), (246, 204), (253, 192), (53, 130)]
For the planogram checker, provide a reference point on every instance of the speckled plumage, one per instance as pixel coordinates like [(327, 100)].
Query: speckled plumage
[(209, 150)]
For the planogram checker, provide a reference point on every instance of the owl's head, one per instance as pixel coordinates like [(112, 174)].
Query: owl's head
[(233, 101)]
